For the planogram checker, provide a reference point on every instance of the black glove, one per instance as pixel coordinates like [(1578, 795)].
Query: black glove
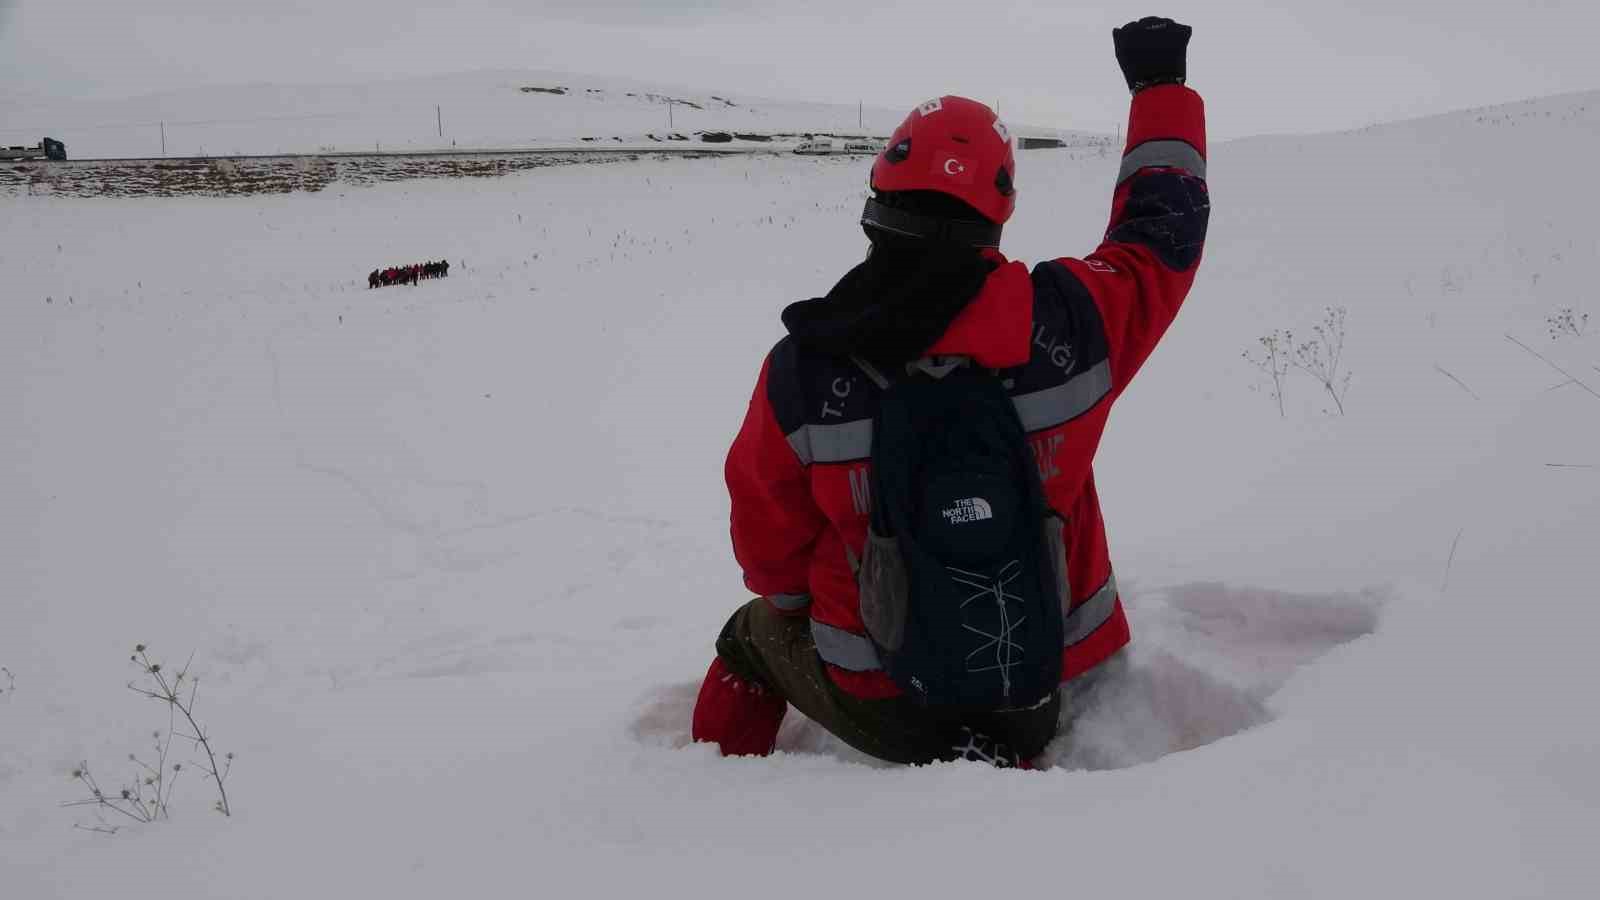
[(1151, 51)]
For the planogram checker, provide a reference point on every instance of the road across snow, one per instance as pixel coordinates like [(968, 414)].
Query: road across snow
[(487, 109)]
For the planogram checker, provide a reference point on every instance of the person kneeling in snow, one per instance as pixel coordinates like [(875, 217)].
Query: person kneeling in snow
[(906, 646)]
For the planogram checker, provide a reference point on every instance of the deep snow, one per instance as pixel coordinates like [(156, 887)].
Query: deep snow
[(451, 558)]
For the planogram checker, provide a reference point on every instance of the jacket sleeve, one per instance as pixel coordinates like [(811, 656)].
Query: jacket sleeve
[(1140, 274), (775, 520)]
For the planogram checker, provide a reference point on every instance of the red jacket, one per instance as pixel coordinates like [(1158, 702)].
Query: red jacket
[(1068, 337)]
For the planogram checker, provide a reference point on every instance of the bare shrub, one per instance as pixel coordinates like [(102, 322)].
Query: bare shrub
[(147, 795), (1567, 322), (143, 798), (1272, 359), (1322, 357)]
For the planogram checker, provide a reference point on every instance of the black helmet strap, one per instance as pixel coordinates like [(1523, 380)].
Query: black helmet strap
[(955, 231)]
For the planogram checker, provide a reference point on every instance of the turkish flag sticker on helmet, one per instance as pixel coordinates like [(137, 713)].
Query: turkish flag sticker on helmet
[(953, 167)]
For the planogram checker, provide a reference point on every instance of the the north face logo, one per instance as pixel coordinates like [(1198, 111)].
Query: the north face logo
[(973, 509)]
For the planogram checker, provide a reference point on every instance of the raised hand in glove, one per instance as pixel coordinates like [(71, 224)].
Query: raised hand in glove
[(1152, 51)]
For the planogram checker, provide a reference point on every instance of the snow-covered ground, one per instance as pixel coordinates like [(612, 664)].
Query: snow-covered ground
[(451, 558), (494, 109)]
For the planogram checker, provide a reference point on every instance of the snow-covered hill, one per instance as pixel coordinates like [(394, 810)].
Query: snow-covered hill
[(495, 109), (451, 558)]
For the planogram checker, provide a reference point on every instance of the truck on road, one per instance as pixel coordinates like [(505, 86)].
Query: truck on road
[(49, 148), (828, 147)]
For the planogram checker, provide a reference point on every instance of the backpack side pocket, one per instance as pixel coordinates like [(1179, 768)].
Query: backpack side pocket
[(885, 591), (1055, 550)]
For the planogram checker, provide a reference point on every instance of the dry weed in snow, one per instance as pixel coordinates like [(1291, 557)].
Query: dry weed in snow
[(1321, 357), (1567, 322), (1273, 361), (147, 797)]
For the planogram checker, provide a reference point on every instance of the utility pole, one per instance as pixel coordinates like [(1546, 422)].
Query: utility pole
[(669, 114), (163, 139), (861, 115), (438, 114)]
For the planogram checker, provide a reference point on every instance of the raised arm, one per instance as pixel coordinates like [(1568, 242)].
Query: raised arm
[(1140, 274)]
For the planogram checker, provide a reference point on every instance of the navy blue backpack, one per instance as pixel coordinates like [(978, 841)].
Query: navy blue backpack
[(959, 589)]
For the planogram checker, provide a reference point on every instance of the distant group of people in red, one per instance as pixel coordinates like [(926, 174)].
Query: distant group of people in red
[(408, 274)]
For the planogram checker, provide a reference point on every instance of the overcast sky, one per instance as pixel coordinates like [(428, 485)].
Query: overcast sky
[(1264, 65)]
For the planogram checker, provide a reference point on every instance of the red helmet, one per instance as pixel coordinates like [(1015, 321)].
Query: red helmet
[(954, 146)]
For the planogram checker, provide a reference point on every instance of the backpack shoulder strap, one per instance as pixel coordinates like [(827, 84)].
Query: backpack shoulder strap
[(878, 378)]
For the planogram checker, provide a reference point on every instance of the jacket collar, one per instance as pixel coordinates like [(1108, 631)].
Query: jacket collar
[(994, 327)]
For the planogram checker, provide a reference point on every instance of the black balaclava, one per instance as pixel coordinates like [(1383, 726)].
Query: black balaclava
[(893, 306)]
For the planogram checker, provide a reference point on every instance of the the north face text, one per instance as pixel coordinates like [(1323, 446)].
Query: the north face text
[(972, 509)]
